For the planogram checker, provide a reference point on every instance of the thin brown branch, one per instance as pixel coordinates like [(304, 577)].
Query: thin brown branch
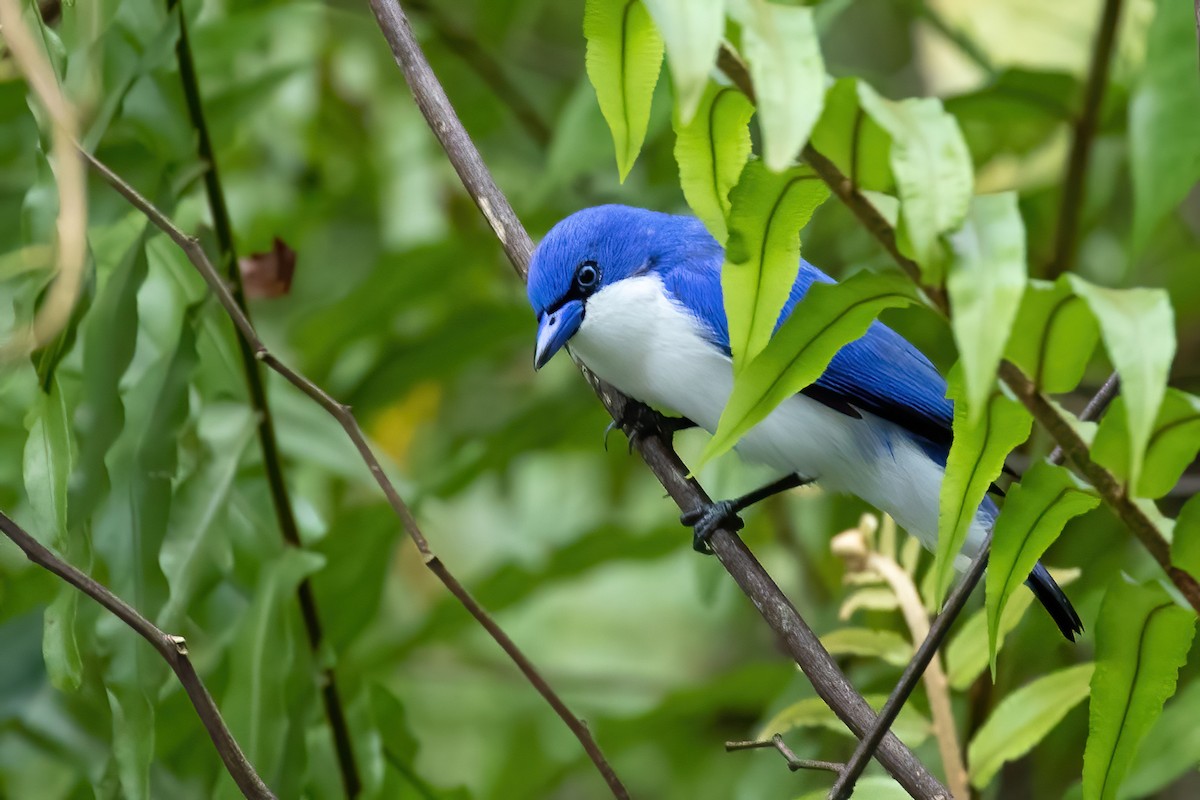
[(794, 762), (802, 644), (272, 461), (1071, 204), (342, 413), (940, 628), (173, 649), (1047, 415)]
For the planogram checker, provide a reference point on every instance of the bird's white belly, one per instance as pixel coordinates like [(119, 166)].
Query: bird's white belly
[(639, 340)]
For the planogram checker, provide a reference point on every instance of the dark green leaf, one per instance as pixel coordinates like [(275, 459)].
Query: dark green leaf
[(1172, 446), (1056, 336), (1185, 547), (852, 139), (624, 55), (1035, 512), (1164, 130), (829, 316), (762, 256), (1142, 639)]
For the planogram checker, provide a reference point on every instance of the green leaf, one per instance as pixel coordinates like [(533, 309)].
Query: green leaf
[(1056, 336), (762, 256), (1015, 113), (932, 168), (624, 56), (784, 57), (812, 712), (976, 458), (1138, 327), (967, 653), (1185, 546), (829, 316), (1035, 512), (1142, 639), (1164, 130), (692, 30), (875, 787), (1023, 719), (851, 139), (886, 645), (711, 151), (985, 283), (1170, 749), (1172, 446), (194, 548)]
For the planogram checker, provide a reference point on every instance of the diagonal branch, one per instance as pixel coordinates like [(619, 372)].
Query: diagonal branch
[(940, 627), (801, 643), (272, 461), (173, 649), (1047, 415), (342, 413), (1084, 133)]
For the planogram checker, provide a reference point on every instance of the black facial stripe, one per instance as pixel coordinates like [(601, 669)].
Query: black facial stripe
[(577, 292)]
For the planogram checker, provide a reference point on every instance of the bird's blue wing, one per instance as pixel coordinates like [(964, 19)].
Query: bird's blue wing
[(881, 373)]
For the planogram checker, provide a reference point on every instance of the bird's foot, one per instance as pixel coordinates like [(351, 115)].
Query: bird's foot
[(639, 420), (707, 519)]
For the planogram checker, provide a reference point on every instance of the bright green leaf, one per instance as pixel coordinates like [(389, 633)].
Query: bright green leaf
[(851, 139), (1035, 512), (886, 645), (1170, 749), (932, 168), (967, 652), (829, 316), (624, 56), (1185, 547), (1057, 334), (875, 787), (762, 256), (1164, 128), (1142, 639), (711, 151), (985, 283), (1023, 719), (1172, 446), (784, 57), (692, 30), (976, 459), (1138, 326)]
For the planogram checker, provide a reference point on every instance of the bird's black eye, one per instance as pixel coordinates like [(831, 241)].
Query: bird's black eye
[(587, 276)]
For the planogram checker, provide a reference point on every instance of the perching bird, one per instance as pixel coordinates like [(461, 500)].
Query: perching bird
[(636, 296)]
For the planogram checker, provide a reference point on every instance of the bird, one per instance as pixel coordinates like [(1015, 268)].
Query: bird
[(635, 295)]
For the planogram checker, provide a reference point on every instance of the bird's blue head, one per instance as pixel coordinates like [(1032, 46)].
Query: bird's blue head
[(592, 249)]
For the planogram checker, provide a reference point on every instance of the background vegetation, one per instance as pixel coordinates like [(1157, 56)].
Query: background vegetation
[(131, 448)]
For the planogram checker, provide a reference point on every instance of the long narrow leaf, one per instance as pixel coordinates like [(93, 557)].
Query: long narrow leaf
[(711, 151)]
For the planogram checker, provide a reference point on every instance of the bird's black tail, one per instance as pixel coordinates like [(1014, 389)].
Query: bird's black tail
[(1056, 603)]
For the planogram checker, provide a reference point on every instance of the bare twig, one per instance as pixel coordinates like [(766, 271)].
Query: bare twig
[(794, 762), (173, 649), (1047, 415), (1072, 201), (942, 623), (802, 644), (71, 181), (272, 462), (342, 413)]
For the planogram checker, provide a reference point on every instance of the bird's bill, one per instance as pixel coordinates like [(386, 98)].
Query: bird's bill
[(554, 329)]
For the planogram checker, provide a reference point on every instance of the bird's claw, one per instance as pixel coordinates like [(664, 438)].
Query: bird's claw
[(707, 520), (639, 420)]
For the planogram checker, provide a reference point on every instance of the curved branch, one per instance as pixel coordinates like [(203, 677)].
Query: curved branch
[(802, 644), (172, 648)]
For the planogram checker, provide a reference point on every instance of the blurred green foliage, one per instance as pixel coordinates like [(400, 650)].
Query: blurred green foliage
[(131, 449)]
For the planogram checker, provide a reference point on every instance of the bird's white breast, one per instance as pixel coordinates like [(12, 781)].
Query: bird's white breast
[(636, 337)]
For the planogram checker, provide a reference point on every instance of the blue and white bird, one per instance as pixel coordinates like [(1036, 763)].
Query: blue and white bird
[(636, 296)]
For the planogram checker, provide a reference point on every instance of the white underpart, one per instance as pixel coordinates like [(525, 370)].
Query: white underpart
[(651, 348)]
